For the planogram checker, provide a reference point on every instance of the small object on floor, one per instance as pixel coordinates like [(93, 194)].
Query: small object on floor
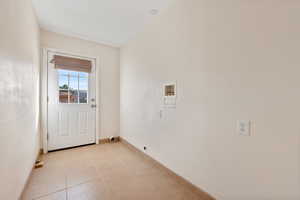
[(112, 139), (39, 164)]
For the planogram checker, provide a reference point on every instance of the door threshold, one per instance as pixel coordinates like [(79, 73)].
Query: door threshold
[(67, 148)]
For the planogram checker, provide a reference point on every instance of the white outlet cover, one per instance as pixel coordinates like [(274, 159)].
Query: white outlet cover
[(243, 127)]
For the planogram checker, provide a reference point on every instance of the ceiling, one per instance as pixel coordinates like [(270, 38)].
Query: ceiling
[(111, 22)]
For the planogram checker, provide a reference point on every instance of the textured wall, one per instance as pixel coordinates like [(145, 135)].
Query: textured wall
[(232, 60), (19, 95)]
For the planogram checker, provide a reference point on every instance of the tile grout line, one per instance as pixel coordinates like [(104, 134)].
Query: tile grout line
[(38, 197), (82, 183), (56, 191)]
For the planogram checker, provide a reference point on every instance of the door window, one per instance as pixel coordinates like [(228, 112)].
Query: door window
[(73, 87)]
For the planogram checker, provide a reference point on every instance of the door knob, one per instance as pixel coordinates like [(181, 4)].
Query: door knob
[(93, 106)]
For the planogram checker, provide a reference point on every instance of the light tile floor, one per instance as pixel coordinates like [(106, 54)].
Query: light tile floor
[(103, 172)]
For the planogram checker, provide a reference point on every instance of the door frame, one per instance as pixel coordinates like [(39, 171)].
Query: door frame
[(44, 94)]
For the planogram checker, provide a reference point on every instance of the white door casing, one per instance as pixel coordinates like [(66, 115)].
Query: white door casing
[(70, 124)]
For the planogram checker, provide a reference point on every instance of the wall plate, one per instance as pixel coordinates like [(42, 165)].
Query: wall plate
[(243, 127)]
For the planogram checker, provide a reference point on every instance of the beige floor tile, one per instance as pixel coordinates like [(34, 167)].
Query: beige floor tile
[(103, 172), (44, 181), (93, 190), (78, 174)]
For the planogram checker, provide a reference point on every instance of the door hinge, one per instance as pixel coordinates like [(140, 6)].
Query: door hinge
[(48, 136), (47, 98)]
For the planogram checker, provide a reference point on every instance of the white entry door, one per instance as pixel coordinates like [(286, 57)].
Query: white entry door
[(71, 106)]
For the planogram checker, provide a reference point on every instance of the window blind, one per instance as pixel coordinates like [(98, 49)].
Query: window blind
[(73, 64)]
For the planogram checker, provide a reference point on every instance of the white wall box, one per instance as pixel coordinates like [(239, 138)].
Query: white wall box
[(170, 94)]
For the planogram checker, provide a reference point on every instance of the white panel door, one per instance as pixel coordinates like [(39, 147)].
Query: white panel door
[(71, 106)]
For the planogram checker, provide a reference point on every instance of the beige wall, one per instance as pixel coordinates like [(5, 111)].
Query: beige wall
[(232, 60), (19, 96), (109, 72)]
